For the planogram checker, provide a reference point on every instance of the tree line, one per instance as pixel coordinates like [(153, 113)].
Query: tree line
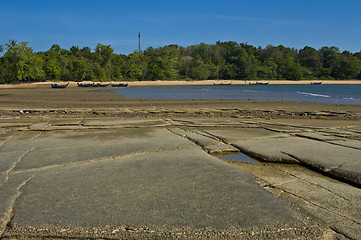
[(222, 60)]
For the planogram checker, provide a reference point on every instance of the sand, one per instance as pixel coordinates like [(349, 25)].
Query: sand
[(43, 101)]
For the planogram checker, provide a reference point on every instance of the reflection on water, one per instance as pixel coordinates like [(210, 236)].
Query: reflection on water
[(239, 157)]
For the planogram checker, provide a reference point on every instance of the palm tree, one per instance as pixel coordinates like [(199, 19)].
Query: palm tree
[(11, 44)]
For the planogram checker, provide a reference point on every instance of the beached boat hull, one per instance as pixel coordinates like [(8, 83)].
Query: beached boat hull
[(85, 84), (120, 85), (222, 84), (101, 85), (57, 85), (259, 83)]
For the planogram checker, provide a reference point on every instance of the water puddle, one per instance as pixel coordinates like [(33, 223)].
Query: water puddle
[(238, 157)]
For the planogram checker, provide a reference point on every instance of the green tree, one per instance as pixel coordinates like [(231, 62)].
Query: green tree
[(311, 59), (330, 57), (103, 54), (293, 72), (286, 60), (86, 53), (268, 70), (163, 63), (118, 66), (358, 55), (136, 67), (52, 69), (52, 63), (81, 69), (226, 60), (288, 69), (75, 51), (214, 70), (199, 70), (55, 50), (21, 63), (349, 67), (230, 71)]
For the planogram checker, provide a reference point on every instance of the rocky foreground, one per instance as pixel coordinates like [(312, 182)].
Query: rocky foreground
[(87, 164), (157, 178)]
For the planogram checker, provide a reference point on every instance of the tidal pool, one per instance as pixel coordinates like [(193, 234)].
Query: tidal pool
[(238, 157)]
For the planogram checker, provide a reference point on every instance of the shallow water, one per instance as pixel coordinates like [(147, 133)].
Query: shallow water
[(327, 94), (238, 157)]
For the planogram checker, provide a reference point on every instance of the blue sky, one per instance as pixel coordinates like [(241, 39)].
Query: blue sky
[(292, 23)]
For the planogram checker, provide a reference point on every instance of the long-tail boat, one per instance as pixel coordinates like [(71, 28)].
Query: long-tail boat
[(83, 84), (58, 85), (259, 83), (119, 84)]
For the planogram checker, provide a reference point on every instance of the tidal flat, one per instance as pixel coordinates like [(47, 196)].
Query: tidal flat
[(84, 163)]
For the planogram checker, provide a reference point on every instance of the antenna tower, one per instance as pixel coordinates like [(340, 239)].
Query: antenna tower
[(139, 35)]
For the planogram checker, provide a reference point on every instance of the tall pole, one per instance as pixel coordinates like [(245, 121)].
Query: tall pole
[(139, 34)]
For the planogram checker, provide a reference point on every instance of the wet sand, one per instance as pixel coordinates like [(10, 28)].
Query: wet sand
[(95, 102)]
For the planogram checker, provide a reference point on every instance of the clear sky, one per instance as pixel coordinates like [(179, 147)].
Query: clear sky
[(292, 23)]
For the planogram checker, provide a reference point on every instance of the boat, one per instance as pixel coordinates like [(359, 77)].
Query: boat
[(119, 84), (222, 84), (83, 84), (101, 85), (58, 85), (316, 83), (259, 83)]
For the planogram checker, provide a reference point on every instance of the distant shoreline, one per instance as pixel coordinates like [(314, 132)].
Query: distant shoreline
[(42, 101), (190, 82)]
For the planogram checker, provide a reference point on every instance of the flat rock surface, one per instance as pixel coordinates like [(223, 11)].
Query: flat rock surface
[(155, 178), (337, 161)]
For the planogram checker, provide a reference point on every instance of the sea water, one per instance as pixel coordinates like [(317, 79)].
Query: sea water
[(326, 94)]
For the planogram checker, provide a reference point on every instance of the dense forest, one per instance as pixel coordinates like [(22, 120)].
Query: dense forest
[(222, 60)]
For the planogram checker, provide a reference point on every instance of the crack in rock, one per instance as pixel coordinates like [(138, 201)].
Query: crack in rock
[(270, 187), (328, 141), (331, 168), (35, 137), (8, 215), (311, 183), (109, 158), (5, 141), (326, 170), (11, 169), (212, 145)]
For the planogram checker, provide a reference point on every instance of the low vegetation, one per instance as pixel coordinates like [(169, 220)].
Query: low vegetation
[(222, 60)]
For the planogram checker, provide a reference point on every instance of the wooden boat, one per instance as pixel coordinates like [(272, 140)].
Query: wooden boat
[(259, 83), (316, 83), (101, 85), (83, 84), (222, 84), (58, 85), (119, 84)]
